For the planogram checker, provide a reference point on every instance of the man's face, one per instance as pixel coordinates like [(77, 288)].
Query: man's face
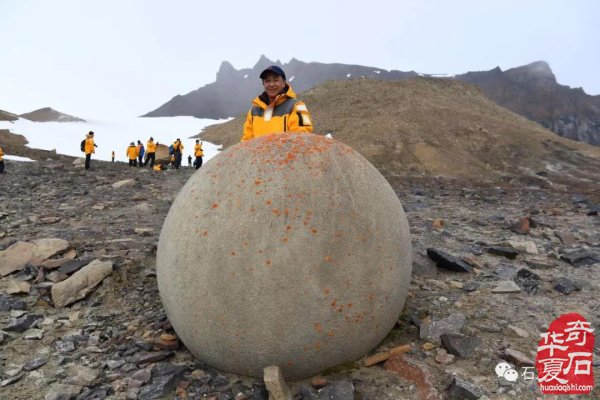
[(273, 84)]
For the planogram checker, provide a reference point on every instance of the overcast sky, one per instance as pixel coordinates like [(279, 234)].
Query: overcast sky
[(126, 57)]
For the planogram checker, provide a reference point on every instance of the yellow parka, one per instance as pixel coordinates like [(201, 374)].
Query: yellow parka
[(150, 147), (178, 145), (285, 114), (1, 154), (89, 145), (198, 150), (133, 152)]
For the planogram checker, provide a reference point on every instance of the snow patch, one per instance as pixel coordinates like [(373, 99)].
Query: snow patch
[(245, 76), (114, 135), (292, 78), (377, 72), (348, 75), (18, 158)]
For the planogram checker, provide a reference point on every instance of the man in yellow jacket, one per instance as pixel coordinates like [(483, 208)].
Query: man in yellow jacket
[(132, 154), (150, 152), (177, 152), (277, 109), (198, 153), (89, 149), (1, 161)]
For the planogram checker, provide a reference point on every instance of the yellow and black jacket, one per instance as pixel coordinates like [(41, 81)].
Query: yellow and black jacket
[(198, 150), (150, 147), (1, 154), (132, 152), (285, 114), (89, 145)]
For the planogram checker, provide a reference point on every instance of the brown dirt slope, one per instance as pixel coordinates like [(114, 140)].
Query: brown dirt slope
[(8, 116), (427, 126)]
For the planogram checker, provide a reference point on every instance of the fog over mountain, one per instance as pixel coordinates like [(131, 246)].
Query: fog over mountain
[(530, 90)]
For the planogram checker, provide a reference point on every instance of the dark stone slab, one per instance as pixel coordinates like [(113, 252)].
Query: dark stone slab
[(160, 387), (528, 281), (580, 257), (462, 390), (23, 323), (447, 261), (7, 303), (507, 252), (74, 265), (565, 286), (460, 345)]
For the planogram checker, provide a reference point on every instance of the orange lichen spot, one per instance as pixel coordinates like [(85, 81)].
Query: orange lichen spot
[(252, 209), (268, 202), (232, 274), (333, 303), (245, 243), (205, 233), (349, 305), (371, 297), (215, 205), (328, 259), (276, 211), (318, 345), (318, 327), (338, 234), (285, 240), (286, 212), (326, 290), (268, 263), (288, 228), (313, 231), (232, 253), (258, 181), (289, 363)]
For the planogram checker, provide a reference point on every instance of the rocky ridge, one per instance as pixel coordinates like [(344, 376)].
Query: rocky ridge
[(434, 127), (530, 90), (532, 253)]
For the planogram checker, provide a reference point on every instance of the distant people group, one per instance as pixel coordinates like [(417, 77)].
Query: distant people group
[(1, 161), (275, 110), (144, 156)]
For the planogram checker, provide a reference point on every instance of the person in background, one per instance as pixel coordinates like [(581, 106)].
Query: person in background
[(277, 109), (189, 161), (132, 154), (1, 161), (198, 153), (113, 156), (141, 152), (177, 150), (151, 152), (89, 149)]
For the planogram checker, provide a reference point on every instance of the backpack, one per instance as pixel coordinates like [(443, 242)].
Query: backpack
[(83, 145), (171, 150)]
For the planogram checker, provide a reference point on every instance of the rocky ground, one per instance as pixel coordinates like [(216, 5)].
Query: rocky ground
[(531, 251)]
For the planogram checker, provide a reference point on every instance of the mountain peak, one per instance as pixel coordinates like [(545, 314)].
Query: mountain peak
[(538, 72), (48, 114), (263, 62), (225, 71)]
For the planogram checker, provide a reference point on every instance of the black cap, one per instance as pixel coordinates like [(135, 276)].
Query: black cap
[(274, 69)]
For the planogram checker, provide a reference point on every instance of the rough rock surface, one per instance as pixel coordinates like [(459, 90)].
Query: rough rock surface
[(309, 232), (116, 328)]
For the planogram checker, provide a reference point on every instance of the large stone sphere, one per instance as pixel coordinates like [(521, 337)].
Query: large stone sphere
[(288, 250)]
